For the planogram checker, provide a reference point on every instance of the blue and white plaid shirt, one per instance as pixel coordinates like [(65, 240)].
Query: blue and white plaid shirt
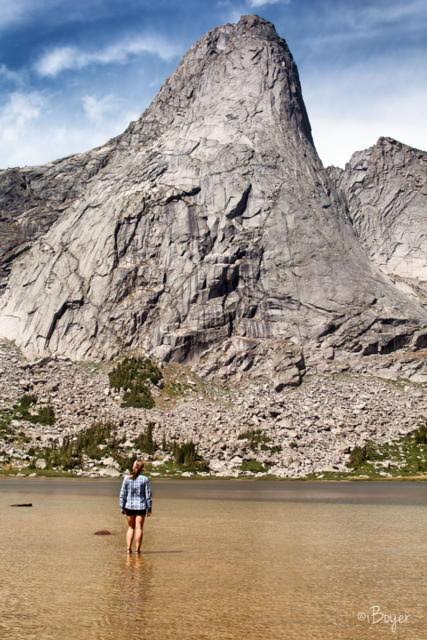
[(136, 494)]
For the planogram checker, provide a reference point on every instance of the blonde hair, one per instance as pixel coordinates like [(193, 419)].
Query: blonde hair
[(137, 467)]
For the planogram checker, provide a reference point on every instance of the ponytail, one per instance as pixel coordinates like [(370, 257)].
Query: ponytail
[(137, 468)]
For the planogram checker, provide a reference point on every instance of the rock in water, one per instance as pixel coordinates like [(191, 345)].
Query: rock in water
[(102, 532), (207, 232)]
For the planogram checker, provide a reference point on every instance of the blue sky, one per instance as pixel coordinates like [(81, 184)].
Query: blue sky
[(73, 73)]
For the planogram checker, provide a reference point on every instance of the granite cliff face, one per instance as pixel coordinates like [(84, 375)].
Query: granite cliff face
[(386, 191), (209, 231)]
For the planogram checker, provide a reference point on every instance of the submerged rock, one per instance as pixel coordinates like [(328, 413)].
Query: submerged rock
[(102, 532)]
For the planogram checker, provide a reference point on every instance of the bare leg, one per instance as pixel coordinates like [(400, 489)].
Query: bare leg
[(139, 532), (130, 532)]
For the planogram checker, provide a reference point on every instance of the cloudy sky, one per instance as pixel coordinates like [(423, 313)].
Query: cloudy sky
[(73, 73)]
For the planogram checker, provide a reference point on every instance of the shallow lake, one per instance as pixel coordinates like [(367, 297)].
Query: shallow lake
[(232, 560)]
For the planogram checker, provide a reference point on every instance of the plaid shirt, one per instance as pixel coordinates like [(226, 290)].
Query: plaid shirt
[(136, 494)]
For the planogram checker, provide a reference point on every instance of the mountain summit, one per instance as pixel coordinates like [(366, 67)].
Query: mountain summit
[(208, 232)]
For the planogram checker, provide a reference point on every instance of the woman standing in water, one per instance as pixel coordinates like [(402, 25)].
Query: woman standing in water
[(136, 503)]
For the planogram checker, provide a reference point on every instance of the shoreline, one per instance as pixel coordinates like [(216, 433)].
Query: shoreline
[(198, 478)]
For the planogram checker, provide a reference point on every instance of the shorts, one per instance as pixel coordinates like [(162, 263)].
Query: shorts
[(135, 512)]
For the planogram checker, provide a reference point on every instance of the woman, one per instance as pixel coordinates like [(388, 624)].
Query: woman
[(136, 502)]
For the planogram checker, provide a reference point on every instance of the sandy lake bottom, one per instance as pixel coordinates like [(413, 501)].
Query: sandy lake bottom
[(232, 560)]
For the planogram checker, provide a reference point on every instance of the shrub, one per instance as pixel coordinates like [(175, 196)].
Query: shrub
[(132, 375), (165, 444), (45, 415), (358, 456), (124, 461), (139, 398), (420, 435), (275, 449), (70, 454), (88, 440), (24, 403), (256, 437), (185, 454), (145, 441), (132, 371)]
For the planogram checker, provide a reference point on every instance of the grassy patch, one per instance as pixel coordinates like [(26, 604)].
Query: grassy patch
[(406, 455), (254, 466), (171, 468), (175, 389)]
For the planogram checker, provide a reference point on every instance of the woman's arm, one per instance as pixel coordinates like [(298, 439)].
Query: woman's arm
[(123, 494), (148, 496)]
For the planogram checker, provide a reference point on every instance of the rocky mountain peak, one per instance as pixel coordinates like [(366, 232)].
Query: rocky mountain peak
[(209, 232), (214, 75)]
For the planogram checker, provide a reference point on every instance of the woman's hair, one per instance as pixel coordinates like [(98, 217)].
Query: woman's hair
[(137, 467)]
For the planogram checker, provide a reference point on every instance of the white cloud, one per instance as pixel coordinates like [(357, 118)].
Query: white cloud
[(35, 129), (379, 13), (58, 59), (67, 58), (98, 108), (13, 11), (349, 23), (16, 11), (19, 110), (262, 3), (349, 110), (9, 75)]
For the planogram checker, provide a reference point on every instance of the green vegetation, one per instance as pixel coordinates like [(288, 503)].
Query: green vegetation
[(176, 389), (145, 441), (359, 455), (24, 409), (275, 449), (256, 437), (26, 471), (420, 434), (185, 455), (132, 375), (258, 440), (5, 428), (406, 455), (95, 442), (254, 466), (170, 469), (100, 441)]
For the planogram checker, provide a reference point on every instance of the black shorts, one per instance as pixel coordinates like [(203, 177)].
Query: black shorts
[(135, 512)]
